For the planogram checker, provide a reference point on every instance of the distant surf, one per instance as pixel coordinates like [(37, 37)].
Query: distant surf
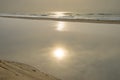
[(73, 17)]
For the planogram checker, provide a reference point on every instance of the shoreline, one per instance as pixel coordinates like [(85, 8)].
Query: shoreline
[(68, 20)]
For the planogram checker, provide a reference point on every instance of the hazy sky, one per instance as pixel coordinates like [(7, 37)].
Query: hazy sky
[(60, 5)]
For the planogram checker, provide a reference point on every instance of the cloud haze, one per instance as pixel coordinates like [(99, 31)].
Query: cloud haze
[(60, 5)]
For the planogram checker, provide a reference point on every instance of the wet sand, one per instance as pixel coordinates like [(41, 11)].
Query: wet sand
[(67, 50)]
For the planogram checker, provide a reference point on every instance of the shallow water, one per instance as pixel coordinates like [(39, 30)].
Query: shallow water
[(67, 50)]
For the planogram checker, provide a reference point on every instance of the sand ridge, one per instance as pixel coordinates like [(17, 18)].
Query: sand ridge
[(19, 71)]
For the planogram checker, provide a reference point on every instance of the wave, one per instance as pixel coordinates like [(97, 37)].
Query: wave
[(66, 16)]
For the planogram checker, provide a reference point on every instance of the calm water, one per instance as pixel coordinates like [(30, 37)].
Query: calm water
[(67, 50)]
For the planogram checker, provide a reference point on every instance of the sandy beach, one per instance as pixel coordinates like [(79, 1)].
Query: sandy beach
[(18, 71), (59, 39)]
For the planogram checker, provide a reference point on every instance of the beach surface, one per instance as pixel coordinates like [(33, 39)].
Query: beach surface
[(19, 71)]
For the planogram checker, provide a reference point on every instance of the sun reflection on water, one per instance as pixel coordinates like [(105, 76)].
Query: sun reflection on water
[(60, 26), (59, 14), (59, 53)]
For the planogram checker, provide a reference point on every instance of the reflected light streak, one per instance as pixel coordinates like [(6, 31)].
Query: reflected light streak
[(59, 14), (60, 26)]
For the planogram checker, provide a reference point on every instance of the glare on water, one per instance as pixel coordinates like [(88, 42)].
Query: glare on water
[(59, 53), (60, 26), (59, 14)]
